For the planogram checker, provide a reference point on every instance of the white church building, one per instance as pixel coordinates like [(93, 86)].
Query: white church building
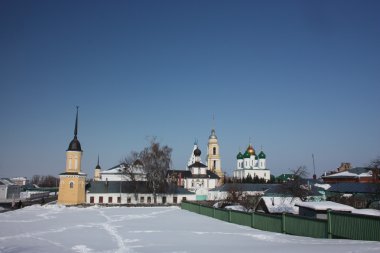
[(198, 178), (251, 164)]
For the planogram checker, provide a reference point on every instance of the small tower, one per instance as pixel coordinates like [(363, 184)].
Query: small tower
[(198, 168), (246, 160), (192, 156), (213, 155), (239, 159), (97, 171), (262, 160), (72, 181)]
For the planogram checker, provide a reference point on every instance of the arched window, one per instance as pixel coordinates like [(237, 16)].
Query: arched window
[(214, 150), (214, 164), (71, 185)]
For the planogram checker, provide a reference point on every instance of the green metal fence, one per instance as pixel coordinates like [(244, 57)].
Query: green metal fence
[(268, 222), (241, 218), (298, 225), (190, 207), (221, 214), (338, 225), (208, 211), (365, 227)]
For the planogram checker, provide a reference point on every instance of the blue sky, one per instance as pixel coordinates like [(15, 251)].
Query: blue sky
[(297, 77)]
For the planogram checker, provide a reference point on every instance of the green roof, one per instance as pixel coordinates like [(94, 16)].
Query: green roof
[(262, 155), (247, 154), (285, 177), (239, 156)]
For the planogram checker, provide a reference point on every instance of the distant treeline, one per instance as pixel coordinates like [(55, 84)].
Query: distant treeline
[(45, 181)]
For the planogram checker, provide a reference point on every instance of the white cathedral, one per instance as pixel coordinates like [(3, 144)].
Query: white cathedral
[(251, 164)]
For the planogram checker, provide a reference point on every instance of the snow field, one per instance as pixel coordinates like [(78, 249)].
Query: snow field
[(147, 229)]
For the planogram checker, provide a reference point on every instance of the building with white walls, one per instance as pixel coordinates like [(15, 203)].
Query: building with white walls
[(198, 178), (251, 164)]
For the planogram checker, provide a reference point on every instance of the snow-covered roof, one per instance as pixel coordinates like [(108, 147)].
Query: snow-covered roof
[(323, 186), (117, 170), (366, 174), (352, 173), (325, 205), (6, 181), (282, 204), (342, 174), (236, 208), (372, 212), (18, 178)]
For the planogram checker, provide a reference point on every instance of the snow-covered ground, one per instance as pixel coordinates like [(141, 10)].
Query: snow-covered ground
[(147, 229)]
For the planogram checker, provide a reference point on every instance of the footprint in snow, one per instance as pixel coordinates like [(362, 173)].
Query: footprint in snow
[(81, 249)]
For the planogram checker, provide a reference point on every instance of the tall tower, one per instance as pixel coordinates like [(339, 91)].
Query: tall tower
[(72, 181), (213, 155)]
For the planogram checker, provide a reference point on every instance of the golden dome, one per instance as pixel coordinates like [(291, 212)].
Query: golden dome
[(251, 150)]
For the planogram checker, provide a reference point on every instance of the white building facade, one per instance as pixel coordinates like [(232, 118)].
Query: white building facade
[(97, 195), (9, 190), (122, 172), (251, 164), (198, 178), (126, 184)]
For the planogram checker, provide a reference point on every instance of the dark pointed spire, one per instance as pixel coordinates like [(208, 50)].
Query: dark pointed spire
[(75, 144), (76, 124), (98, 166)]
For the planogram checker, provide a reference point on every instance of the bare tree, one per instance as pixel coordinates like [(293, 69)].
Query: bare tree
[(129, 161), (156, 160), (234, 193), (35, 179), (45, 181), (48, 181), (129, 171), (375, 163), (375, 166), (295, 186)]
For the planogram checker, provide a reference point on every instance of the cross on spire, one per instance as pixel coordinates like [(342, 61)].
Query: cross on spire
[(76, 124)]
